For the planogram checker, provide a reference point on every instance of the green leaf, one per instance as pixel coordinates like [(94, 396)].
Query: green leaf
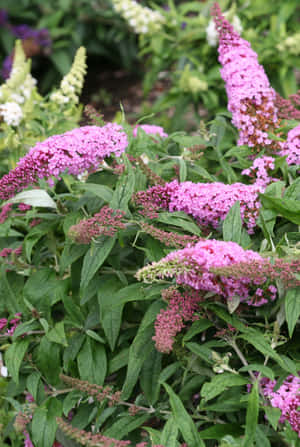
[(32, 383), (197, 327), (232, 225), (220, 383), (44, 423), (265, 370), (292, 308), (125, 425), (273, 415), (220, 430), (182, 170), (110, 315), (149, 376), (183, 420), (94, 259), (261, 439), (48, 360), (181, 220), (140, 349), (34, 197), (124, 189), (14, 357), (288, 208), (104, 192), (251, 416), (170, 433), (57, 334), (92, 363)]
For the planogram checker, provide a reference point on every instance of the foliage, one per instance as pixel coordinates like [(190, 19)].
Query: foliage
[(138, 305)]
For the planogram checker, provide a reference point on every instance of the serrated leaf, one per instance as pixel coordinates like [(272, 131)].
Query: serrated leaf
[(220, 383), (125, 425), (251, 416), (292, 308), (102, 191), (183, 420), (140, 348), (34, 197), (169, 433), (44, 423), (232, 225), (273, 415), (14, 357), (92, 363), (57, 334), (94, 259)]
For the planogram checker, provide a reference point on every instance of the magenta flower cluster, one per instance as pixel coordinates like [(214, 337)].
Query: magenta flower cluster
[(192, 266), (292, 147), (208, 203), (74, 152), (260, 171), (251, 100), (286, 398), (150, 129)]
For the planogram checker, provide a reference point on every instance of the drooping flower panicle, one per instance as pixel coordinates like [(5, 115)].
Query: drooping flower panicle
[(75, 151), (192, 267), (208, 203)]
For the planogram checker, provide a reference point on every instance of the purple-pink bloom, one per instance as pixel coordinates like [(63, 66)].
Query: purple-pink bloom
[(208, 203), (251, 100), (259, 171), (292, 147), (74, 152), (193, 267), (286, 398), (150, 129)]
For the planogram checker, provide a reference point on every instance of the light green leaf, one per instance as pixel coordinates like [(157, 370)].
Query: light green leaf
[(34, 197), (57, 334), (232, 225), (220, 383), (14, 357), (251, 416)]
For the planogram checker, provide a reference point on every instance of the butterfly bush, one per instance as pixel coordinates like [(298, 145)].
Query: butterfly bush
[(75, 151), (260, 171), (292, 147), (192, 266), (286, 398), (251, 100), (208, 203), (150, 129)]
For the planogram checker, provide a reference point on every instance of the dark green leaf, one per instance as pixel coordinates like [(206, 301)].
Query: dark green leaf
[(183, 420), (220, 383), (94, 259), (44, 423), (14, 357), (292, 308), (91, 360)]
